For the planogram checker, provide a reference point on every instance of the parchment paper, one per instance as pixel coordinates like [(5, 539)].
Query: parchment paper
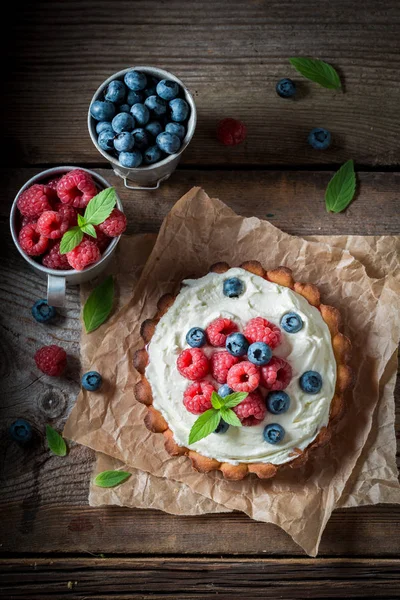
[(196, 233)]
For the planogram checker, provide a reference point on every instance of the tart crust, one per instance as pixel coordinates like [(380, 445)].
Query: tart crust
[(341, 345)]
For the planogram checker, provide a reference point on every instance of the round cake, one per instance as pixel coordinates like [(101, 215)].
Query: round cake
[(244, 370)]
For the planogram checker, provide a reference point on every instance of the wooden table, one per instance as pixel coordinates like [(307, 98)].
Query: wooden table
[(230, 54)]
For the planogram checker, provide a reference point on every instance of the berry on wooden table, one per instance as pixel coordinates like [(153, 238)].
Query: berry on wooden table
[(115, 224), (51, 360), (221, 362), (218, 331), (42, 312), (76, 188), (231, 132), (193, 364), (35, 200), (91, 381), (86, 253), (197, 397), (31, 241), (286, 88), (252, 410), (319, 138), (261, 330), (21, 431), (276, 375), (243, 377)]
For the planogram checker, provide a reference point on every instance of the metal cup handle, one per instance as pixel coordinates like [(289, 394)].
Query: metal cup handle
[(138, 187), (56, 290)]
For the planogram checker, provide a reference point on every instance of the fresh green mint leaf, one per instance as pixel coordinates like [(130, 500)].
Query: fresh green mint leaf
[(71, 239), (204, 425), (216, 400), (56, 443), (101, 206), (81, 220), (108, 479), (89, 229), (99, 304), (234, 399), (341, 188), (318, 71), (230, 417)]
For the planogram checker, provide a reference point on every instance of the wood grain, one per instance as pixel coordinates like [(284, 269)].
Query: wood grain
[(200, 579), (58, 53)]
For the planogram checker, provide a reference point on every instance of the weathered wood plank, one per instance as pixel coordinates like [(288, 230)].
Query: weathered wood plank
[(193, 578), (231, 58)]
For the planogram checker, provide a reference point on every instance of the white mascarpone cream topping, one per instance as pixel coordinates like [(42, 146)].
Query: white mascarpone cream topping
[(200, 302)]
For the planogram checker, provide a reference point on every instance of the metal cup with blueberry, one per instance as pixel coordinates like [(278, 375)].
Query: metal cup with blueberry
[(142, 119)]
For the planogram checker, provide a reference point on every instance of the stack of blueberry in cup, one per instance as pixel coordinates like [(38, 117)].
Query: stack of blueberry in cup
[(141, 119)]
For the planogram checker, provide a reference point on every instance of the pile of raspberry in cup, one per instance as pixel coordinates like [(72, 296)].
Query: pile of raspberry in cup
[(49, 209)]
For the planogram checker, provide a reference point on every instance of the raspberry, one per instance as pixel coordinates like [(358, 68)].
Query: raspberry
[(193, 364), (252, 410), (102, 239), (86, 253), (197, 397), (76, 188), (52, 225), (115, 224), (53, 183), (52, 360), (276, 375), (35, 200), (261, 330), (31, 241), (243, 377), (68, 213), (221, 362), (231, 132), (28, 221), (218, 331), (55, 260)]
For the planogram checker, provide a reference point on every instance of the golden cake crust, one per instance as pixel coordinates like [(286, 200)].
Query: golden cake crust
[(341, 345)]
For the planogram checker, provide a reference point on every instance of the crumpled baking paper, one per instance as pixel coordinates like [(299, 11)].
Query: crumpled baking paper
[(358, 466)]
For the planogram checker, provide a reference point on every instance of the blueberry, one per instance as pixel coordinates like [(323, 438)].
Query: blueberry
[(167, 89), (157, 105), (259, 353), (196, 337), (222, 427), (176, 129), (134, 97), (106, 140), (141, 138), (273, 433), (179, 109), (168, 142), (152, 155), (123, 122), (286, 88), (131, 160), (291, 322), (124, 108), (103, 126), (91, 381), (135, 81), (21, 431), (319, 138), (233, 287), (42, 312), (151, 87), (141, 113), (154, 128), (124, 142), (277, 402), (224, 390), (115, 92), (102, 111), (311, 382), (236, 344)]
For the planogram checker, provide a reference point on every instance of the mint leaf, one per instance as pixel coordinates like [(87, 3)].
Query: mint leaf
[(204, 425), (230, 417), (318, 71), (89, 229), (56, 443), (99, 304), (341, 188), (71, 239), (101, 206), (81, 220), (108, 479), (233, 399), (216, 400)]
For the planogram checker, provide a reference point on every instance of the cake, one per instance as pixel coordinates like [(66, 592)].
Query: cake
[(271, 352)]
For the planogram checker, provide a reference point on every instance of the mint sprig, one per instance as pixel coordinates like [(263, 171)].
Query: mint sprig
[(221, 409), (318, 71), (99, 304), (107, 479), (56, 443), (341, 188), (97, 211)]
